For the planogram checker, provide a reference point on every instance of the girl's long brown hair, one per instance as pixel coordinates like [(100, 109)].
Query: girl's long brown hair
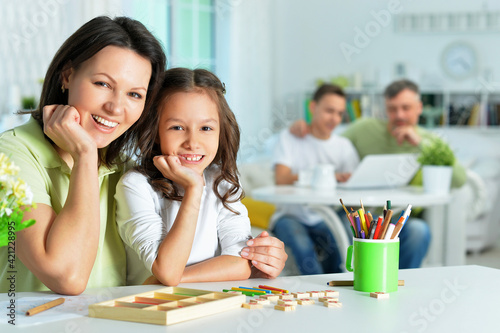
[(199, 80)]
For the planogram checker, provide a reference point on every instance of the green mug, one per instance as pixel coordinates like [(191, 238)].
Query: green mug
[(376, 264)]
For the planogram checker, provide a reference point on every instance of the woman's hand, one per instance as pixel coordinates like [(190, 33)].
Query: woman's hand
[(62, 124), (267, 254), (170, 166)]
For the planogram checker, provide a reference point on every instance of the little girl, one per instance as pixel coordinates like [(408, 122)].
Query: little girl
[(179, 212)]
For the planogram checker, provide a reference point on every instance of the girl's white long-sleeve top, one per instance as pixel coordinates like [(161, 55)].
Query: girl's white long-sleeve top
[(144, 218)]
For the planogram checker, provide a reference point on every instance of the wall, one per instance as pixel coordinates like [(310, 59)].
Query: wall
[(32, 32), (308, 36)]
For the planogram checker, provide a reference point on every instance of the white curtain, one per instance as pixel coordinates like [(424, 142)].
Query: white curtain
[(32, 31)]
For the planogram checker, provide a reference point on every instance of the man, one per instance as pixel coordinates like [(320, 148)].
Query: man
[(398, 134), (303, 230)]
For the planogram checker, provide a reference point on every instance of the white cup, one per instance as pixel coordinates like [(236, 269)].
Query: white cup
[(305, 177), (324, 177)]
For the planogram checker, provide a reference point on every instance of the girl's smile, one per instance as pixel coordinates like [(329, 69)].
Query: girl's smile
[(189, 129)]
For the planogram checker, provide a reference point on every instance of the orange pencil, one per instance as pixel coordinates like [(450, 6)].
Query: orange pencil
[(45, 306), (370, 217)]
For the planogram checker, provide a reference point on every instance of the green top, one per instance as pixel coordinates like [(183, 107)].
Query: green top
[(48, 176), (370, 136)]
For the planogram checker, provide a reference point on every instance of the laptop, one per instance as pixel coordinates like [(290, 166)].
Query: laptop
[(383, 171)]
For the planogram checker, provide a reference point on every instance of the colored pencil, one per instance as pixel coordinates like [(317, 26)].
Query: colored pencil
[(45, 306), (246, 293), (249, 290), (349, 283), (377, 228), (363, 221), (389, 232), (273, 288), (385, 225), (358, 224)]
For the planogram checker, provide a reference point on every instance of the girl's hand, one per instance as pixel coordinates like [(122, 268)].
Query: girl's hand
[(267, 254), (62, 125), (170, 166)]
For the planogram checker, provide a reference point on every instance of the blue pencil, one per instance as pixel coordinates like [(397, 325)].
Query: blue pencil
[(358, 225)]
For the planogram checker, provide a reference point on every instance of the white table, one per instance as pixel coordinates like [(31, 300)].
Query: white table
[(437, 299), (323, 201)]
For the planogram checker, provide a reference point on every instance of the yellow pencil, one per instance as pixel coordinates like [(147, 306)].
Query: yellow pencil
[(363, 222), (45, 306)]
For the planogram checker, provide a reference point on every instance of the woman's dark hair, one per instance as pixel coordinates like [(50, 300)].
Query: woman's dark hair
[(82, 45), (185, 80)]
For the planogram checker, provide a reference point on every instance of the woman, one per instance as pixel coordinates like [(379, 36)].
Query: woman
[(96, 87), (71, 153)]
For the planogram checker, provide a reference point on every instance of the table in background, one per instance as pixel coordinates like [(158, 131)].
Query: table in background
[(444, 249), (435, 299)]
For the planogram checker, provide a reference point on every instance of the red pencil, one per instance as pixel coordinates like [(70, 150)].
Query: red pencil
[(272, 288), (377, 229)]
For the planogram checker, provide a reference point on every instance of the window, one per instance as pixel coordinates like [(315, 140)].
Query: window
[(185, 27), (191, 42)]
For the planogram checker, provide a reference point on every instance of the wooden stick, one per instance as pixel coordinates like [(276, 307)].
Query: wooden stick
[(348, 283), (45, 306)]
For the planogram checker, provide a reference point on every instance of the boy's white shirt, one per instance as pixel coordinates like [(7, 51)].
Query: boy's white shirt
[(304, 154), (144, 218)]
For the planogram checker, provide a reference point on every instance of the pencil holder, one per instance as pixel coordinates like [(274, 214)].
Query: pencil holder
[(375, 264)]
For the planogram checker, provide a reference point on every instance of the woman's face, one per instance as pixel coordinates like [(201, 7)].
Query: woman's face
[(109, 92)]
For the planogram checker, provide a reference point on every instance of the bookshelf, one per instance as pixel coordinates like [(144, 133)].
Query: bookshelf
[(442, 108)]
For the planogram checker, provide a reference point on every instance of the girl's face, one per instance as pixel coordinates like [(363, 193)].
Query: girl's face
[(189, 128), (109, 92)]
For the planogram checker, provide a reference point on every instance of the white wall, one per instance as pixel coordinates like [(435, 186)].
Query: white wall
[(249, 71), (32, 32), (308, 35)]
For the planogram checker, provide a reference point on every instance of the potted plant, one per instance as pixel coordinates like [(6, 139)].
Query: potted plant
[(15, 200), (437, 160)]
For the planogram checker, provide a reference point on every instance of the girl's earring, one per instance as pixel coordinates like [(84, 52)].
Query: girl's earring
[(62, 88)]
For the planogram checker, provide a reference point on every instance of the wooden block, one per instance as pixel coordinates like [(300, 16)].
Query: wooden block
[(300, 295), (270, 297), (173, 305), (284, 307), (332, 304), (262, 301), (327, 299), (287, 301), (379, 295), (305, 301), (252, 305), (331, 293), (314, 293), (286, 296)]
